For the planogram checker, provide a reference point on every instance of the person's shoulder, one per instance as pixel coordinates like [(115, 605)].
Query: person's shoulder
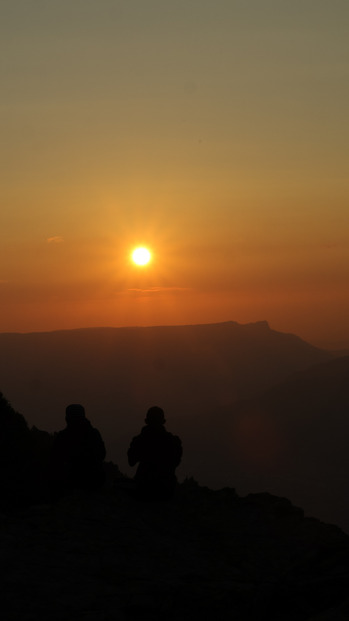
[(176, 443), (145, 431), (93, 429), (174, 440), (173, 436), (138, 437), (95, 433)]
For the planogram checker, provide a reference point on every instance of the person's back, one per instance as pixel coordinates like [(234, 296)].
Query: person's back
[(78, 454), (158, 453)]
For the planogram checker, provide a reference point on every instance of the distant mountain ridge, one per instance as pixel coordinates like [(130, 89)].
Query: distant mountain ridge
[(118, 373), (181, 367)]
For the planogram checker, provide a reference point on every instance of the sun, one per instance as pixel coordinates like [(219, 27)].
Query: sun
[(141, 256)]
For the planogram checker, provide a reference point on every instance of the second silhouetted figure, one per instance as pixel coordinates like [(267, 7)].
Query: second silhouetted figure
[(158, 453)]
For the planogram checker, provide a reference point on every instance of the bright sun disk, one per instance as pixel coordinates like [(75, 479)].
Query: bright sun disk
[(141, 256)]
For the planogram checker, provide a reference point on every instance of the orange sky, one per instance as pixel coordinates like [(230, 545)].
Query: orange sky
[(213, 132)]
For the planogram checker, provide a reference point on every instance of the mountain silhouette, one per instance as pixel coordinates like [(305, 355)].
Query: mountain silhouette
[(117, 373)]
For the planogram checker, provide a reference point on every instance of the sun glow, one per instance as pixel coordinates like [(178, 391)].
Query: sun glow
[(141, 256)]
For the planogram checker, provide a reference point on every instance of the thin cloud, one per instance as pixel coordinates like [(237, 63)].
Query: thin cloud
[(57, 239), (159, 289)]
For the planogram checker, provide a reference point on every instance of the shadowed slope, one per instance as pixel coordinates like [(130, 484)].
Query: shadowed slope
[(293, 440)]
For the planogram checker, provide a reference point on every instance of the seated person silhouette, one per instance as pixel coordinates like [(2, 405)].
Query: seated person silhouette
[(158, 453), (77, 456)]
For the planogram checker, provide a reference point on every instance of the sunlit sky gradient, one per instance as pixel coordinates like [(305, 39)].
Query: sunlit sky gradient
[(214, 132)]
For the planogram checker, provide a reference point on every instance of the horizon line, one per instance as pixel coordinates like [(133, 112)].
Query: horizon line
[(148, 326)]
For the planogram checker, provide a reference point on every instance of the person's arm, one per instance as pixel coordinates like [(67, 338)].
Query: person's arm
[(177, 451), (100, 451)]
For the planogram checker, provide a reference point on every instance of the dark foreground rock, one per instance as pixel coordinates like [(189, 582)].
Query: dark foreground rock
[(205, 555)]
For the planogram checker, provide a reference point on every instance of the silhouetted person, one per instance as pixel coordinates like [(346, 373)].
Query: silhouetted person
[(77, 455), (158, 453)]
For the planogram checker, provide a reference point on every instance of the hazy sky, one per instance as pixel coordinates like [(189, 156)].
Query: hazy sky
[(215, 132)]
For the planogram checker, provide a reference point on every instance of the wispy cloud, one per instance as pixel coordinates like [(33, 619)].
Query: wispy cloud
[(57, 239), (158, 290)]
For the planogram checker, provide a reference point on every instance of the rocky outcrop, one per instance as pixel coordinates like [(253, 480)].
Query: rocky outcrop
[(24, 456), (206, 554), (203, 555)]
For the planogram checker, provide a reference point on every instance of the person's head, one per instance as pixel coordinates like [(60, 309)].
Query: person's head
[(155, 416), (74, 414)]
